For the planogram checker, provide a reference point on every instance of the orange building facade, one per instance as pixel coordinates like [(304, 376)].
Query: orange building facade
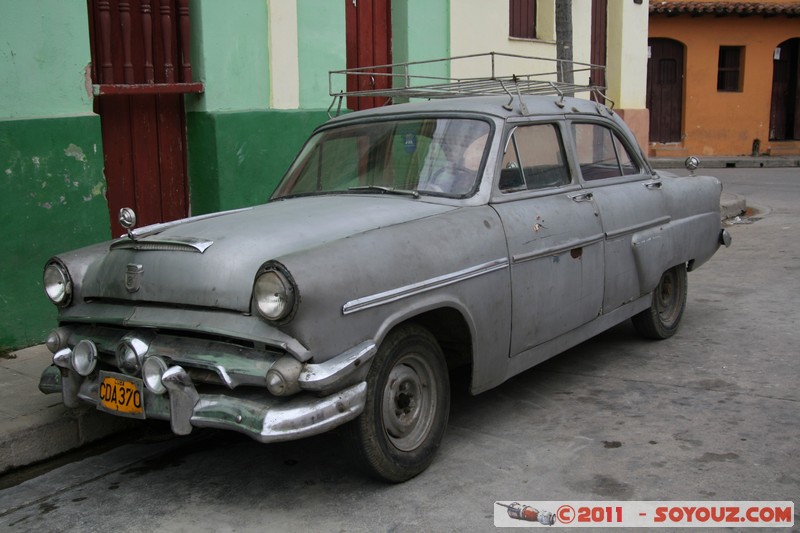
[(723, 78)]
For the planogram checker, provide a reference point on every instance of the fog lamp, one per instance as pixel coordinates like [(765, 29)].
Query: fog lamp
[(282, 377), (84, 357), (130, 355), (152, 370)]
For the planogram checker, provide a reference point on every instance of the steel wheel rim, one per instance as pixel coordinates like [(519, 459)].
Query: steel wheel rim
[(667, 294), (409, 402)]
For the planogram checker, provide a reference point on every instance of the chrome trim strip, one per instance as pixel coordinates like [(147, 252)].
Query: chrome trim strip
[(556, 250), (638, 227), (413, 289), (176, 244)]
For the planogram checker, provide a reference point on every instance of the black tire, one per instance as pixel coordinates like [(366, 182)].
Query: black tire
[(662, 319), (408, 403)]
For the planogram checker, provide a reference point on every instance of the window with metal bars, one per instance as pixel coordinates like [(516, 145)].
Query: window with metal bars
[(729, 72), (522, 19)]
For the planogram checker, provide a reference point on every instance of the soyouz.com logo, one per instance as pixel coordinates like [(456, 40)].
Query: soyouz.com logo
[(672, 514)]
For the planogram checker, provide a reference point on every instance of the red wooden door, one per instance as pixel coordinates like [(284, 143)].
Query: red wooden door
[(784, 119), (599, 44), (665, 90), (140, 68), (369, 38)]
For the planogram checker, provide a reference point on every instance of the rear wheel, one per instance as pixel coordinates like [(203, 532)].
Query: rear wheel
[(408, 402), (662, 319)]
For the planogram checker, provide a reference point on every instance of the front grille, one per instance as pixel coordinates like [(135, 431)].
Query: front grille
[(211, 360)]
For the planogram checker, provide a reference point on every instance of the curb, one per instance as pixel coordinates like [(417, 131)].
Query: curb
[(729, 162), (731, 205), (35, 426)]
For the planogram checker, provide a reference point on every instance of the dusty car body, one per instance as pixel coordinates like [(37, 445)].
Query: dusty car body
[(344, 300)]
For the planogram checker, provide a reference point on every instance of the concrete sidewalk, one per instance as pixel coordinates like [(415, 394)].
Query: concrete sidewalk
[(35, 427)]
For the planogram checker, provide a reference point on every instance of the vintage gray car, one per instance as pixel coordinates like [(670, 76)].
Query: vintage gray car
[(403, 242)]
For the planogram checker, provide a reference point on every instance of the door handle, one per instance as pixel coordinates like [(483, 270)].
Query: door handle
[(653, 185), (582, 197)]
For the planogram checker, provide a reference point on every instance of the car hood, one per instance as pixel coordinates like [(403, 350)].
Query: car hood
[(212, 261)]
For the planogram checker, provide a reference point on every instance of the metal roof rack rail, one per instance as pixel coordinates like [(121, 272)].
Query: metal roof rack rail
[(497, 74)]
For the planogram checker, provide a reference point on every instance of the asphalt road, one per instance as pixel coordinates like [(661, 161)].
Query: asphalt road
[(711, 414)]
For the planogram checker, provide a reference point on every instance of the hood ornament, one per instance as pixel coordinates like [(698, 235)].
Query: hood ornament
[(127, 219)]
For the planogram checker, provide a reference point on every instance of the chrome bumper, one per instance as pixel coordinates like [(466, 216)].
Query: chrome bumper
[(256, 413), (212, 383)]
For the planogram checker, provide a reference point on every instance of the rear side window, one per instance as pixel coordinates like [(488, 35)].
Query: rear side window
[(534, 159), (601, 154)]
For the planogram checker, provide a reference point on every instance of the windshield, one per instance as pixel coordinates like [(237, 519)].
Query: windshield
[(438, 156)]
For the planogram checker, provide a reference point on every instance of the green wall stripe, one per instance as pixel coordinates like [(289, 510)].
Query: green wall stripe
[(237, 159)]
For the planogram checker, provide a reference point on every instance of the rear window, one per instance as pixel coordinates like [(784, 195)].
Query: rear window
[(601, 153)]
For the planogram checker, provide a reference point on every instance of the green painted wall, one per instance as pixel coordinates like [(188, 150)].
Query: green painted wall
[(51, 158), (230, 55), (44, 51), (321, 47), (238, 147), (237, 159), (421, 31), (51, 171)]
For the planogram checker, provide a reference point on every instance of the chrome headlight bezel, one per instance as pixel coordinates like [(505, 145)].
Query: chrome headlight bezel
[(57, 283), (130, 354), (275, 294)]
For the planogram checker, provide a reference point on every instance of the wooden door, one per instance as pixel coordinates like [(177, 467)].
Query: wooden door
[(599, 44), (140, 70), (784, 117), (665, 90), (369, 38)]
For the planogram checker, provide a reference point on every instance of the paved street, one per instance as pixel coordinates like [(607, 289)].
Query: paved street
[(711, 414)]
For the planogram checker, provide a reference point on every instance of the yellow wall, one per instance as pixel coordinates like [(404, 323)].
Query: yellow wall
[(726, 123), (479, 26)]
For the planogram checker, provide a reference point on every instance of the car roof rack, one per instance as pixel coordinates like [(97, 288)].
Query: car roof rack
[(399, 82)]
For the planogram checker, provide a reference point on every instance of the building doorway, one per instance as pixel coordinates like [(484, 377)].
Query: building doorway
[(784, 116), (140, 70), (599, 45), (369, 43), (665, 89)]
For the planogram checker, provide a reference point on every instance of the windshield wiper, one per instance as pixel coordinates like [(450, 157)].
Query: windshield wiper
[(382, 189)]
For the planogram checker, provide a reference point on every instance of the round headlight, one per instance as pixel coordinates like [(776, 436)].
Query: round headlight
[(152, 370), (84, 357), (274, 295), (57, 284)]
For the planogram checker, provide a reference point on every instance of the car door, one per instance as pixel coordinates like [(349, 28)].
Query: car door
[(554, 238), (632, 209)]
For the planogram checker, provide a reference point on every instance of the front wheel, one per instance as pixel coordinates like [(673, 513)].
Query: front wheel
[(407, 406), (662, 318)]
